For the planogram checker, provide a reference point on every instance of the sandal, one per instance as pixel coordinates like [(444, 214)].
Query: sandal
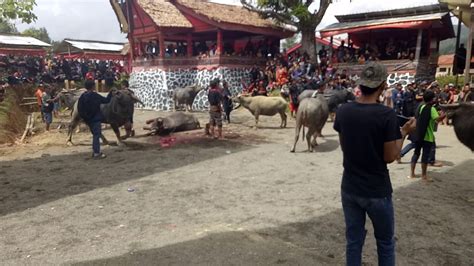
[(99, 156)]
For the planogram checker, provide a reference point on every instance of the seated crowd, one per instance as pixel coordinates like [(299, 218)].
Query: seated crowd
[(203, 49), (33, 69), (391, 50)]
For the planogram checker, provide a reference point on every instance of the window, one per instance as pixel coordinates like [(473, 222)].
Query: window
[(442, 69)]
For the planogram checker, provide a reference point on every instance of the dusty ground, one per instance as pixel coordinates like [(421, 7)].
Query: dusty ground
[(245, 200)]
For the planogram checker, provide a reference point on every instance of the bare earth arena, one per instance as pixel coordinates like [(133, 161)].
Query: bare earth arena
[(244, 200)]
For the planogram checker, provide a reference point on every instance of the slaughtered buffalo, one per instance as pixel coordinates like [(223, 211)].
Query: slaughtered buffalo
[(185, 96), (263, 105), (118, 112), (175, 122), (462, 116), (313, 114)]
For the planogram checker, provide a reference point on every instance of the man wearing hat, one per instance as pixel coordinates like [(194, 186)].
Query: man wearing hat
[(370, 138)]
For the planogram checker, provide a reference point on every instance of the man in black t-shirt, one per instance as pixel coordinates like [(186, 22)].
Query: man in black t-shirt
[(215, 108), (370, 138)]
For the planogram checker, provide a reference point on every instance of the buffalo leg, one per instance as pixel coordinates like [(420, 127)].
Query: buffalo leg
[(72, 125), (309, 135), (117, 134), (297, 135), (283, 119), (256, 120)]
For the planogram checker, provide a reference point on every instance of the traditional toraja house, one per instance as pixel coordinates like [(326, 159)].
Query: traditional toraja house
[(464, 11), (97, 50), (418, 29), (177, 43), (22, 46)]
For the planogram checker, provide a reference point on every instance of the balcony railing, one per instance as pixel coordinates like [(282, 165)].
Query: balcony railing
[(191, 62)]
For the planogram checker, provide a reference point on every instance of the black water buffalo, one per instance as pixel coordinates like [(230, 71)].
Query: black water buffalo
[(312, 113), (68, 98), (117, 113), (185, 96), (462, 116), (175, 122)]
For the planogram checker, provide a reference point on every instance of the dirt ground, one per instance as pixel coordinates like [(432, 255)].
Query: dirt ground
[(191, 200)]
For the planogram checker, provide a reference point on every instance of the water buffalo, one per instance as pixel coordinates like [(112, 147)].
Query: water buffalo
[(313, 114), (462, 116), (185, 96), (68, 98), (339, 97), (117, 113), (263, 105), (174, 122)]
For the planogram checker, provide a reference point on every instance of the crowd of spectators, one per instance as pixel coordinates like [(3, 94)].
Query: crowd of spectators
[(382, 50), (203, 49), (36, 69)]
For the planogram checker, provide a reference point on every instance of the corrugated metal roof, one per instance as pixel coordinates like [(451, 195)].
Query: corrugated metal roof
[(22, 40), (356, 24), (96, 46)]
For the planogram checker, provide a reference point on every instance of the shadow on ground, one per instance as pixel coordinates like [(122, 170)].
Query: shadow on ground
[(432, 228), (29, 183)]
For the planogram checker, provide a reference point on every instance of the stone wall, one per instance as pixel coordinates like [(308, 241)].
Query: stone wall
[(155, 86)]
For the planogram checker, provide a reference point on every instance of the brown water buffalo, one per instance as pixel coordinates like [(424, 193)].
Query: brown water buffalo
[(175, 122), (185, 96), (313, 114), (462, 116), (263, 105)]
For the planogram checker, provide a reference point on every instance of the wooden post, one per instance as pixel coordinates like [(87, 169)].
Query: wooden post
[(331, 49), (161, 44), (418, 45), (467, 68), (219, 49), (429, 41), (189, 47)]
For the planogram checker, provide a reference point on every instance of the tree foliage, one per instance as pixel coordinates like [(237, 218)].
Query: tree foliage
[(290, 42), (38, 33), (7, 27), (17, 9), (295, 13)]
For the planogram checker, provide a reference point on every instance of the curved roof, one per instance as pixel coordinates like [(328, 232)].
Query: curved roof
[(164, 13), (227, 13)]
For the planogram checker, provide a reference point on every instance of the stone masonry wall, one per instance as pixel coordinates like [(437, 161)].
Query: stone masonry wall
[(155, 87)]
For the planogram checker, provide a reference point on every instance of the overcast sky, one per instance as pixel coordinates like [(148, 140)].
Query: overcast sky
[(95, 19)]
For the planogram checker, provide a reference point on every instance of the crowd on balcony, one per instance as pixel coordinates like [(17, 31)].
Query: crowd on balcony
[(391, 50), (35, 69), (203, 49)]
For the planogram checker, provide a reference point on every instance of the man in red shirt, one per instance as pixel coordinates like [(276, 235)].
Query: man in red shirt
[(39, 99)]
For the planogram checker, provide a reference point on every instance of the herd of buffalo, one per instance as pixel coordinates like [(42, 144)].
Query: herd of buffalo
[(313, 112)]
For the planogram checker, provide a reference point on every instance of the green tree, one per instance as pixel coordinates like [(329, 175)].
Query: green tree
[(290, 42), (38, 33), (295, 13), (7, 27), (17, 9)]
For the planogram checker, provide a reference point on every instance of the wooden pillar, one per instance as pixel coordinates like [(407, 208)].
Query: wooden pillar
[(189, 47), (331, 49), (467, 68), (219, 49), (418, 45), (161, 44), (429, 41)]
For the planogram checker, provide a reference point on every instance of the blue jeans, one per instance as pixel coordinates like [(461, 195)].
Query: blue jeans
[(380, 211), (96, 130), (407, 148)]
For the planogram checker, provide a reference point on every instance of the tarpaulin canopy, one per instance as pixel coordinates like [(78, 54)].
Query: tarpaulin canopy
[(408, 22)]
